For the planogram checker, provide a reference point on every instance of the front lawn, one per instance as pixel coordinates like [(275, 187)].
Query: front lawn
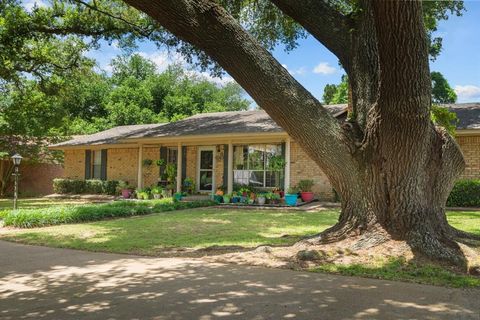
[(196, 228), (34, 203), (210, 230)]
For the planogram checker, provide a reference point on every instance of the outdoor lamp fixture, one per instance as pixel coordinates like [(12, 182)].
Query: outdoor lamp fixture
[(16, 162)]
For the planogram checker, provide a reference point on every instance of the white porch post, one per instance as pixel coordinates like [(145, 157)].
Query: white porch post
[(287, 163), (230, 168), (140, 164), (179, 167)]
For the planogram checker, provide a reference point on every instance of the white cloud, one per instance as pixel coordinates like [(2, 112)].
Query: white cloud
[(324, 68), (299, 71), (30, 4), (467, 92)]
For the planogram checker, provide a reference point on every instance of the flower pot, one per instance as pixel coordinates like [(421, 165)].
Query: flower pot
[(235, 199), (217, 198), (157, 196), (178, 196), (306, 196), (261, 200), (291, 199), (226, 199), (126, 193), (146, 196)]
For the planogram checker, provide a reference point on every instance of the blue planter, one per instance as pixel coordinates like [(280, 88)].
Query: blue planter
[(235, 199), (291, 199)]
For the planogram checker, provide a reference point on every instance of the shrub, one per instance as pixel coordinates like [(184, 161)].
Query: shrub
[(465, 193), (93, 186), (305, 185), (31, 218), (65, 186)]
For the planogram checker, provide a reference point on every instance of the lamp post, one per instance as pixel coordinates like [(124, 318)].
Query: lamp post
[(16, 162)]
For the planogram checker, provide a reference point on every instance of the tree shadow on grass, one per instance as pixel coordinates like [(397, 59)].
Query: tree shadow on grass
[(44, 283)]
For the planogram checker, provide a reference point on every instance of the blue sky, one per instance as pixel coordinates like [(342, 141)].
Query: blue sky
[(314, 66)]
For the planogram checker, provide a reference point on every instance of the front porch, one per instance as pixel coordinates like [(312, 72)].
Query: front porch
[(209, 165)]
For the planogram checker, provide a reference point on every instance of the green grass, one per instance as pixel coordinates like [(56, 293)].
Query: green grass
[(41, 217), (33, 203), (401, 270), (196, 228)]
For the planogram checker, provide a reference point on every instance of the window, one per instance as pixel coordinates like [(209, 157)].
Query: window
[(172, 155), (96, 164), (253, 165)]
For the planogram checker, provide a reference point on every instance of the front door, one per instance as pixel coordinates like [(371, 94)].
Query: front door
[(206, 165)]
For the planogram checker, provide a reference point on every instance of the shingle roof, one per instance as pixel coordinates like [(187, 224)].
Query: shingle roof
[(108, 136), (468, 114), (256, 121)]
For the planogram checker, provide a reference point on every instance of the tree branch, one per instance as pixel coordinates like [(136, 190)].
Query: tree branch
[(209, 27), (323, 22)]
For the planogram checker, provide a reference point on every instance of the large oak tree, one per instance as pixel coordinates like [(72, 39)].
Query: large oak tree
[(391, 166)]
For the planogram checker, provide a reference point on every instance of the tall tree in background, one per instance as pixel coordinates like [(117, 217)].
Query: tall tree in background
[(441, 90), (391, 166)]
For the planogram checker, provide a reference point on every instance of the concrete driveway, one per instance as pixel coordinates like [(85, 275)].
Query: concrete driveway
[(45, 283)]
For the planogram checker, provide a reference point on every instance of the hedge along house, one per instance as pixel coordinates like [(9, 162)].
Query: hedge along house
[(224, 148), (212, 149)]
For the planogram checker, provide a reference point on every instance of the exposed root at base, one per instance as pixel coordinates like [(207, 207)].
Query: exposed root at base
[(363, 249)]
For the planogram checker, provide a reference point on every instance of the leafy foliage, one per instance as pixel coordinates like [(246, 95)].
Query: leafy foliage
[(441, 90), (443, 117), (31, 218), (465, 193), (336, 94)]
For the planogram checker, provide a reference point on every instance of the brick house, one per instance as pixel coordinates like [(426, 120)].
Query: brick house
[(223, 148)]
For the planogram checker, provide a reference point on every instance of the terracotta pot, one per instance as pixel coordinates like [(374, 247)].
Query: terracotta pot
[(126, 193), (306, 196)]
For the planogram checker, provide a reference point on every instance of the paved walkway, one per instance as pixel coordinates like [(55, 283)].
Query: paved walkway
[(44, 283)]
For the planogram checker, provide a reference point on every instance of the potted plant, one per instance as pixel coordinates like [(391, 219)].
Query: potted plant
[(305, 187), (147, 162), (276, 163), (178, 196), (235, 197), (189, 185), (157, 192), (124, 189), (142, 194), (291, 196), (226, 198), (275, 199), (261, 198)]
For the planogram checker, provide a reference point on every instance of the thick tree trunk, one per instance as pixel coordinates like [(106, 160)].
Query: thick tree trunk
[(392, 168)]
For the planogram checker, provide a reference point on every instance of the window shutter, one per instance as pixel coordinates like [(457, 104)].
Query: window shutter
[(184, 163), (225, 166), (163, 156), (103, 174), (88, 164)]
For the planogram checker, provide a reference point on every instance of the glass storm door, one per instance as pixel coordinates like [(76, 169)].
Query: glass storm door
[(206, 164)]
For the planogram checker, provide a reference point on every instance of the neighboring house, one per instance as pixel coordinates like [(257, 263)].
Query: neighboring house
[(223, 148)]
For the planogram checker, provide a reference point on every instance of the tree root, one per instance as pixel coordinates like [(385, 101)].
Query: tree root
[(456, 233)]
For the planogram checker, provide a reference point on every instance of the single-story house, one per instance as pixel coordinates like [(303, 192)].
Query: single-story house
[(223, 148)]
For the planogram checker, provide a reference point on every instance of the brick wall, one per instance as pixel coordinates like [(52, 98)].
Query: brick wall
[(219, 158), (74, 164), (303, 167), (151, 173), (471, 151), (191, 162), (37, 178), (122, 164)]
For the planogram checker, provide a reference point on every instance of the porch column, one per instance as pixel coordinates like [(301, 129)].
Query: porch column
[(287, 164), (179, 167), (230, 168), (140, 165)]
